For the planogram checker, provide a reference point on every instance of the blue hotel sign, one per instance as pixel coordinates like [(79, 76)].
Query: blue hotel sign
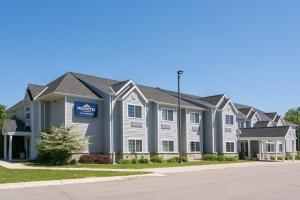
[(83, 109)]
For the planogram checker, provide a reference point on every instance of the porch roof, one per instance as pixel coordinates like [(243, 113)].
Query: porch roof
[(264, 132), (13, 126)]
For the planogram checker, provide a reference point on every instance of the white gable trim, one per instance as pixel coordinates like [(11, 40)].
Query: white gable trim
[(139, 92), (221, 100), (122, 88), (232, 105), (40, 93)]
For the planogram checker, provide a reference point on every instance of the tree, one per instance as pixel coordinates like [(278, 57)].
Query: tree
[(292, 115), (57, 145), (3, 116)]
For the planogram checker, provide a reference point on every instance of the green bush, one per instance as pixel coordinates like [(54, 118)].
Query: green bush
[(73, 162), (143, 160), (234, 158), (297, 157), (122, 161), (221, 158), (210, 157), (156, 159), (172, 160)]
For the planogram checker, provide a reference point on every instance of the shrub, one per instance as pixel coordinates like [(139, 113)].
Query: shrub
[(172, 160), (234, 158), (94, 159), (209, 157), (122, 161), (134, 161), (73, 162), (297, 157), (143, 160), (57, 145), (222, 158), (156, 159)]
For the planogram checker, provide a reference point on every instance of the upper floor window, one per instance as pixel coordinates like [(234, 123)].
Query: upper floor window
[(241, 124), (134, 111), (248, 124), (229, 119), (167, 115), (28, 113), (195, 118)]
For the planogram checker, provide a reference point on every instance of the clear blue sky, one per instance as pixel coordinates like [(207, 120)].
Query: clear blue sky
[(249, 50)]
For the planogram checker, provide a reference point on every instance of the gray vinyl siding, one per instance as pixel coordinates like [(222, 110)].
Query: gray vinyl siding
[(87, 127), (129, 131), (152, 124), (170, 134), (184, 131), (219, 127), (194, 131), (229, 131), (208, 130), (19, 114), (289, 140), (118, 126), (55, 113)]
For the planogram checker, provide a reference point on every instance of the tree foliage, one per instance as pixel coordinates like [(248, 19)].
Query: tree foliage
[(58, 143), (3, 115), (291, 115)]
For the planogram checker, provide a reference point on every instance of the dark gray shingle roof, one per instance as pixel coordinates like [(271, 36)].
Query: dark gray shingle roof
[(34, 90), (223, 104), (271, 115), (279, 131), (245, 111), (116, 87), (261, 124), (11, 125), (69, 84), (214, 100)]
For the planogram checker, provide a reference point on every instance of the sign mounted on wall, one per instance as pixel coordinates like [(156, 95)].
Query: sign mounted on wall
[(83, 109)]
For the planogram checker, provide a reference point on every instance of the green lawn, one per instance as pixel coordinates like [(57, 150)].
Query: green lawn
[(27, 175), (138, 166)]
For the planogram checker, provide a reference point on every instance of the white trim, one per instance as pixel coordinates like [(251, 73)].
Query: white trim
[(189, 145), (193, 123), (122, 88), (168, 140), (40, 93), (135, 139), (132, 104), (167, 109), (221, 101), (70, 95), (131, 90), (234, 146), (18, 133)]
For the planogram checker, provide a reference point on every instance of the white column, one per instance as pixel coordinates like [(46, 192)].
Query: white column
[(249, 149), (265, 150), (283, 151), (10, 147), (294, 150), (259, 150), (5, 147), (276, 154)]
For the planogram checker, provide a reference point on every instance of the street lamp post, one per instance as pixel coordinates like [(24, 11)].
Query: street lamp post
[(179, 73), (298, 131)]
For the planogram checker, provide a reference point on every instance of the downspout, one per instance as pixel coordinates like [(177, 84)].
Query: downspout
[(112, 150)]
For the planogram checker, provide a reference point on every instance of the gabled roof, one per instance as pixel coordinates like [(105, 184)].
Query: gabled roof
[(69, 84), (271, 115), (214, 100), (224, 103), (278, 117), (260, 113), (11, 125), (245, 111), (241, 115), (262, 124), (118, 86), (280, 131), (34, 90), (16, 106)]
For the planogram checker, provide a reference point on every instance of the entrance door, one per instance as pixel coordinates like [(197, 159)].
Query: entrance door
[(244, 150)]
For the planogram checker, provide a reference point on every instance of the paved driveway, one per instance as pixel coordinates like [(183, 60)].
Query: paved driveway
[(255, 182)]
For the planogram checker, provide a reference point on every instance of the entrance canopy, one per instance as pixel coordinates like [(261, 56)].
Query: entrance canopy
[(283, 139), (17, 139)]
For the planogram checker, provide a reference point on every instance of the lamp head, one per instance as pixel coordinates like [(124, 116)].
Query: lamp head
[(179, 72)]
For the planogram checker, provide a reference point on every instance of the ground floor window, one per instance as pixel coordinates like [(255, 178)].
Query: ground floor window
[(229, 147), (135, 146), (270, 147), (195, 146), (168, 146), (280, 148)]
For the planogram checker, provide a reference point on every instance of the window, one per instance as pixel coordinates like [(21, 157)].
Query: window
[(168, 146), (134, 111), (229, 119), (167, 115), (241, 124), (28, 113), (270, 147), (135, 146), (195, 146), (280, 148), (230, 147), (195, 118)]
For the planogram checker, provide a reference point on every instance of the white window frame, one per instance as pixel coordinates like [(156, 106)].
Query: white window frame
[(280, 150), (27, 111), (135, 139), (134, 105), (229, 119), (167, 109), (274, 146), (194, 113), (234, 150), (162, 143), (195, 146)]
